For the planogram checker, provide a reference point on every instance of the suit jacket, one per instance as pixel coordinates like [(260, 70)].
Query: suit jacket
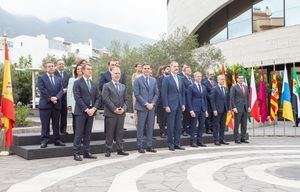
[(112, 100), (187, 82), (64, 79), (159, 81), (219, 102), (171, 96), (197, 101), (106, 77), (84, 98), (208, 86), (144, 93), (47, 91), (237, 99)]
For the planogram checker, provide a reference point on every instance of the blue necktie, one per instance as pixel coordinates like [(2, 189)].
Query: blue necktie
[(52, 80)]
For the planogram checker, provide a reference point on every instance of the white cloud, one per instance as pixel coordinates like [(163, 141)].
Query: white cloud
[(143, 17)]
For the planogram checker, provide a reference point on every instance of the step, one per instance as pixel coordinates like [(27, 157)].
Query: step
[(23, 139), (97, 146)]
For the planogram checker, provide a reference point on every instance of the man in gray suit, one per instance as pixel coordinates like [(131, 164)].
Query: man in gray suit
[(115, 98), (239, 102), (87, 100), (146, 94)]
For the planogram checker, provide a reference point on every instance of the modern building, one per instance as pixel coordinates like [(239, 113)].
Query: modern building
[(39, 47), (249, 32)]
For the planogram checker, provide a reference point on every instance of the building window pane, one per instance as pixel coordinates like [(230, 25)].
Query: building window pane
[(292, 12), (268, 14), (241, 25), (219, 37)]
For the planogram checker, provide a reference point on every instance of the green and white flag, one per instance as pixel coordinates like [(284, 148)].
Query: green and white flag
[(246, 84), (296, 92)]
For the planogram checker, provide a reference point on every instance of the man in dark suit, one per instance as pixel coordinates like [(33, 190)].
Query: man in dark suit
[(209, 83), (239, 103), (146, 94), (219, 100), (107, 76), (115, 99), (60, 66), (161, 113), (86, 95), (187, 81), (197, 105), (51, 92), (173, 97)]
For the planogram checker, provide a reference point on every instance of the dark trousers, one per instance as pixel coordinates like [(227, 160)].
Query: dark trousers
[(240, 119), (209, 121), (63, 114), (174, 127), (84, 125), (186, 121), (114, 131), (45, 116), (200, 117), (74, 124), (219, 126), (161, 119), (145, 121)]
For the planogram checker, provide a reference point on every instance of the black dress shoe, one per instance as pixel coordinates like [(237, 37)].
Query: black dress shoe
[(237, 142), (89, 156), (209, 132), (224, 142), (171, 149), (151, 150), (179, 148), (107, 153), (217, 143), (77, 157), (59, 143), (122, 153), (201, 144), (141, 150), (244, 141), (184, 133), (124, 129), (43, 145), (194, 145), (64, 133)]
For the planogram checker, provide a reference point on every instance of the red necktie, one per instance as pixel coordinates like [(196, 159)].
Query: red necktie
[(212, 83), (243, 90)]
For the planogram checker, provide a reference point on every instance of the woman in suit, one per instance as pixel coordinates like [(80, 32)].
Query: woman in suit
[(70, 96)]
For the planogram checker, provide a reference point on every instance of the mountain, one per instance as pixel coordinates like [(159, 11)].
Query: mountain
[(70, 30)]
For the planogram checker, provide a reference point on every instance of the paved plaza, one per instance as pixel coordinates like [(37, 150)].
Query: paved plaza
[(267, 164)]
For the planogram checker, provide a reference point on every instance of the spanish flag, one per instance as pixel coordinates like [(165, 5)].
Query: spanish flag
[(287, 111), (7, 101)]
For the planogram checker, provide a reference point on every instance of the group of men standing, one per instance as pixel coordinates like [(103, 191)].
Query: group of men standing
[(195, 103)]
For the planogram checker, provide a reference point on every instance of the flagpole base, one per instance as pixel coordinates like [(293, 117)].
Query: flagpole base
[(4, 153)]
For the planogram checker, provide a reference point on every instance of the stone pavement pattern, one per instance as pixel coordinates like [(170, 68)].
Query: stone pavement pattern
[(214, 169)]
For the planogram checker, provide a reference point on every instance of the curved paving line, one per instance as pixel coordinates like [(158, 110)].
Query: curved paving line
[(257, 172), (201, 175), (126, 181)]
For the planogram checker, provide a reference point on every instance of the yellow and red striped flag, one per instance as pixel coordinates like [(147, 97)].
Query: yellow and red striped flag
[(274, 97), (230, 114), (7, 101), (224, 74)]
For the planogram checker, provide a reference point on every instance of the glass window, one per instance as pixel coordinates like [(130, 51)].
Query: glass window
[(292, 12), (241, 25), (268, 14), (219, 37)]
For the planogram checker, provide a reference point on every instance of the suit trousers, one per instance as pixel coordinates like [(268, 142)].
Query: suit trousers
[(209, 121), (84, 125), (219, 126), (174, 127), (145, 119), (186, 121), (200, 117), (114, 130), (45, 116), (63, 114), (162, 119), (240, 119)]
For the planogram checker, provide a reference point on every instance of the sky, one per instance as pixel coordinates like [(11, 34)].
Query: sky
[(143, 17)]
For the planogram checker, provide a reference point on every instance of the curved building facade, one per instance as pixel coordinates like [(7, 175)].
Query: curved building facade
[(248, 32)]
